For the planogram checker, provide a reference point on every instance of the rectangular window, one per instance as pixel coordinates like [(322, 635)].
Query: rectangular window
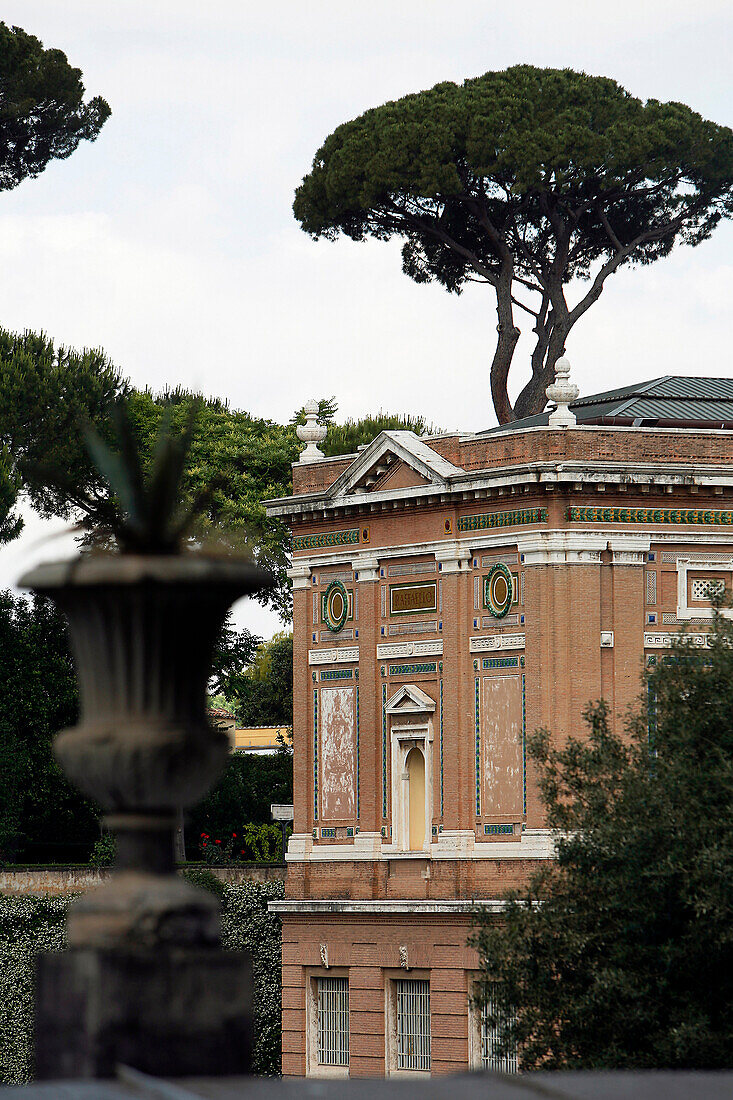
[(492, 1034), (333, 1021), (412, 1011)]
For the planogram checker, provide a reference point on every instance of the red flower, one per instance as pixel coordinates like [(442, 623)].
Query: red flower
[(242, 852), (203, 845), (234, 834), (217, 842)]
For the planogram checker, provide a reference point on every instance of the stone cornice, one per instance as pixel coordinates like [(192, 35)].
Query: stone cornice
[(475, 484)]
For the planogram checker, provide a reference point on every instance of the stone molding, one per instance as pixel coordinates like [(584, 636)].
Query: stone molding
[(391, 650), (685, 565), (326, 905), (367, 568), (453, 558), (489, 642), (532, 844), (523, 543), (665, 640), (333, 656), (300, 575)]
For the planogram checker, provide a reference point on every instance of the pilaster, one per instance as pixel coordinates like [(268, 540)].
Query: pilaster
[(453, 565), (366, 576), (300, 574)]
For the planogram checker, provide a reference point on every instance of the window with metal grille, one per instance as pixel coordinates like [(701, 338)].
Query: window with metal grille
[(493, 1034), (412, 998), (333, 1021)]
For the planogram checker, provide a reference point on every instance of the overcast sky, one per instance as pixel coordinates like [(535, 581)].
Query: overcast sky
[(170, 241)]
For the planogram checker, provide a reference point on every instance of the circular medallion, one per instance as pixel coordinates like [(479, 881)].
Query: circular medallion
[(498, 590), (336, 606)]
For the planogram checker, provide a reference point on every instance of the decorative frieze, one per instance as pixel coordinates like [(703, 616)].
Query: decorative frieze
[(333, 656), (326, 538), (488, 621), (500, 662), (487, 520), (409, 649), (413, 669), (709, 517), (410, 568), (496, 641), (666, 641), (337, 674), (345, 576), (428, 626)]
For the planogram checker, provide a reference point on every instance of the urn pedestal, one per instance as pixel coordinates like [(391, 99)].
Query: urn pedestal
[(145, 973)]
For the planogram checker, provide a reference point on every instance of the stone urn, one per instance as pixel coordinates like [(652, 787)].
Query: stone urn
[(142, 631)]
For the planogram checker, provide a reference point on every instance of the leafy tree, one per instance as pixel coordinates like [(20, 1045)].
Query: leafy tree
[(235, 650), (524, 180), (48, 394), (614, 957), (42, 816), (43, 115), (11, 524), (264, 691), (242, 796), (346, 438)]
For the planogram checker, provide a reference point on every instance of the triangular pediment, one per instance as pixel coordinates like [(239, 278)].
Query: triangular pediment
[(410, 699), (395, 460)]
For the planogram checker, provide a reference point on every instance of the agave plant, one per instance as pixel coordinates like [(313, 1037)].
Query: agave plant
[(147, 513)]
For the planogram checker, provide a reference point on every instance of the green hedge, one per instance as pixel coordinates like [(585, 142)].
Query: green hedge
[(29, 925)]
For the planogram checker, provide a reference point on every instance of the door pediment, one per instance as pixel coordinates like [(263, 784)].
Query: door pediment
[(410, 700)]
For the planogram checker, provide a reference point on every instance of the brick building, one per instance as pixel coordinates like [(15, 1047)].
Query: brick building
[(450, 594)]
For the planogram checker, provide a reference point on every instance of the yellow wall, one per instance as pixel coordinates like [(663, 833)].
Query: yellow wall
[(257, 737), (416, 772)]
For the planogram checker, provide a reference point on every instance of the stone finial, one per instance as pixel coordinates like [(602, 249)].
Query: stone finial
[(311, 433), (562, 392)]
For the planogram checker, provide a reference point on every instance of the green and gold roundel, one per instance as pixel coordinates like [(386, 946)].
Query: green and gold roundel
[(498, 590), (336, 606)]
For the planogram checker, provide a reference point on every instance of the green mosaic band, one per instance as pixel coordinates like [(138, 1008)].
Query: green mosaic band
[(329, 538), (710, 517), (337, 674), (412, 670), (487, 520)]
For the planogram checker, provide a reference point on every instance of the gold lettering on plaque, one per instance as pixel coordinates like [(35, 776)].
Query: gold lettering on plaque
[(406, 598)]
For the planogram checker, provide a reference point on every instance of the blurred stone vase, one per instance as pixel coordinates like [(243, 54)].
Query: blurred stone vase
[(143, 630)]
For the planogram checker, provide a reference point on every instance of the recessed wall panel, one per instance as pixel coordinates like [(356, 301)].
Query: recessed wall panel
[(338, 754)]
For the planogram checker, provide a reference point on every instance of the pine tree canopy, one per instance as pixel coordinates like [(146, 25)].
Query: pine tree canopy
[(526, 180), (43, 115)]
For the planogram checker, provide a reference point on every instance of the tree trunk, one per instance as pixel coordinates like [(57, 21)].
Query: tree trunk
[(505, 345)]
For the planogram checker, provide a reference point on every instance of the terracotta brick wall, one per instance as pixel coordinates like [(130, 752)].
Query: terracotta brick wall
[(367, 949)]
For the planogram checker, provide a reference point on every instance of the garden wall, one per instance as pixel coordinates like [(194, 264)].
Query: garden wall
[(54, 881)]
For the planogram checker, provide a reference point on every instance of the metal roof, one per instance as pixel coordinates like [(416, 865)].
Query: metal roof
[(670, 401)]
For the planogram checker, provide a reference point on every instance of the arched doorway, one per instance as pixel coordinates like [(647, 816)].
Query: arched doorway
[(416, 785)]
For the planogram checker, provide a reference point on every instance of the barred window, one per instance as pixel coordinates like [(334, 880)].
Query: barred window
[(333, 1021), (413, 1023), (492, 1036)]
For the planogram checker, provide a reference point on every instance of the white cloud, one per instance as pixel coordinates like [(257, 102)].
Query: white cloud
[(170, 241)]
